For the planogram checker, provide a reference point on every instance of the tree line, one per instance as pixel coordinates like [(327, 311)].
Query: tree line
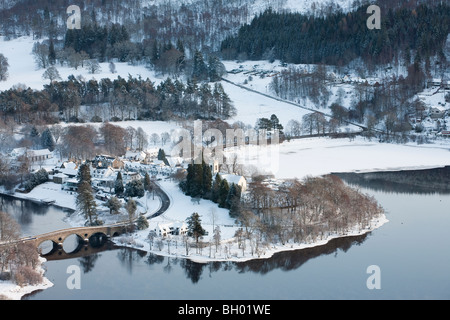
[(121, 99), (342, 37)]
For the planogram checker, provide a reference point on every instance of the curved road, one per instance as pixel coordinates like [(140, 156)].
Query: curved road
[(165, 200)]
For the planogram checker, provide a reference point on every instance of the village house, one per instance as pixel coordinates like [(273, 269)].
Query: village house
[(39, 155), (70, 185), (32, 155), (437, 112), (174, 229), (60, 178), (70, 169), (236, 179)]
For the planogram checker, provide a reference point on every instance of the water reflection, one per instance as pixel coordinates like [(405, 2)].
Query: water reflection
[(34, 218), (425, 182), (286, 261)]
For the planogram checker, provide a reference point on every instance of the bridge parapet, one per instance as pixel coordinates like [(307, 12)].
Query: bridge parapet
[(83, 233)]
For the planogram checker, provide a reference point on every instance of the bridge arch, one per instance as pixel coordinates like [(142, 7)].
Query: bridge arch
[(85, 235)]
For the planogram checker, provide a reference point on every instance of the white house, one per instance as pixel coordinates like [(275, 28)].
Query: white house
[(135, 156), (39, 155), (60, 178), (32, 155), (18, 152), (174, 228), (237, 180), (437, 112)]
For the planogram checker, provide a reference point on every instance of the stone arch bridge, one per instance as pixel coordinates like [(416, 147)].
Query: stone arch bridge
[(84, 234)]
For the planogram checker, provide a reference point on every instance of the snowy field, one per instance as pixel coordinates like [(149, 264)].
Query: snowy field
[(320, 156), (22, 68)]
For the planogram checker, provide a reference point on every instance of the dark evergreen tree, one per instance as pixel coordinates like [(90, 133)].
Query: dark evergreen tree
[(51, 53), (84, 174), (275, 123), (118, 185), (195, 228), (216, 69), (147, 182), (200, 70), (34, 137), (233, 200), (85, 202), (206, 181), (223, 193), (47, 140), (135, 188)]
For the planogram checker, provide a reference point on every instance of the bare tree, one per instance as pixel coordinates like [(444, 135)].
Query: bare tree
[(141, 138), (51, 74), (40, 52), (93, 66), (3, 68), (154, 138), (9, 228)]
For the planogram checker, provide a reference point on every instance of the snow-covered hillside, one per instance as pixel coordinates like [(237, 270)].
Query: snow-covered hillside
[(22, 67)]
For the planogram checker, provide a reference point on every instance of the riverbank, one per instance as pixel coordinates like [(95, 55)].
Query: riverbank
[(11, 291), (231, 249)]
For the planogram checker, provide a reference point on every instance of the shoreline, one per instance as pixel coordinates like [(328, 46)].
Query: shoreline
[(141, 244), (16, 293), (11, 291)]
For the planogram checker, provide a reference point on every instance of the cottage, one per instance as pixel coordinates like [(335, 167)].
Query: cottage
[(237, 180), (118, 164), (60, 178), (18, 152), (39, 155), (32, 155), (437, 112), (70, 169), (163, 230), (174, 228), (135, 156), (70, 185), (128, 176)]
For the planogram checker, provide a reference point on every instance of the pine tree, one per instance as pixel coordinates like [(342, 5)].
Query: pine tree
[(142, 223), (47, 140), (215, 190), (195, 228), (206, 181), (118, 185), (216, 69), (147, 182), (34, 136), (200, 70), (84, 174), (135, 188), (233, 200), (51, 53), (275, 122), (85, 202), (223, 193)]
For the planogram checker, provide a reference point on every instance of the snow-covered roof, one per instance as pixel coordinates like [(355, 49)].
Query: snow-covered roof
[(60, 175), (232, 178), (41, 152), (440, 108), (69, 165)]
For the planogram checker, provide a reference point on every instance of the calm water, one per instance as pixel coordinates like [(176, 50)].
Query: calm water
[(411, 251)]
